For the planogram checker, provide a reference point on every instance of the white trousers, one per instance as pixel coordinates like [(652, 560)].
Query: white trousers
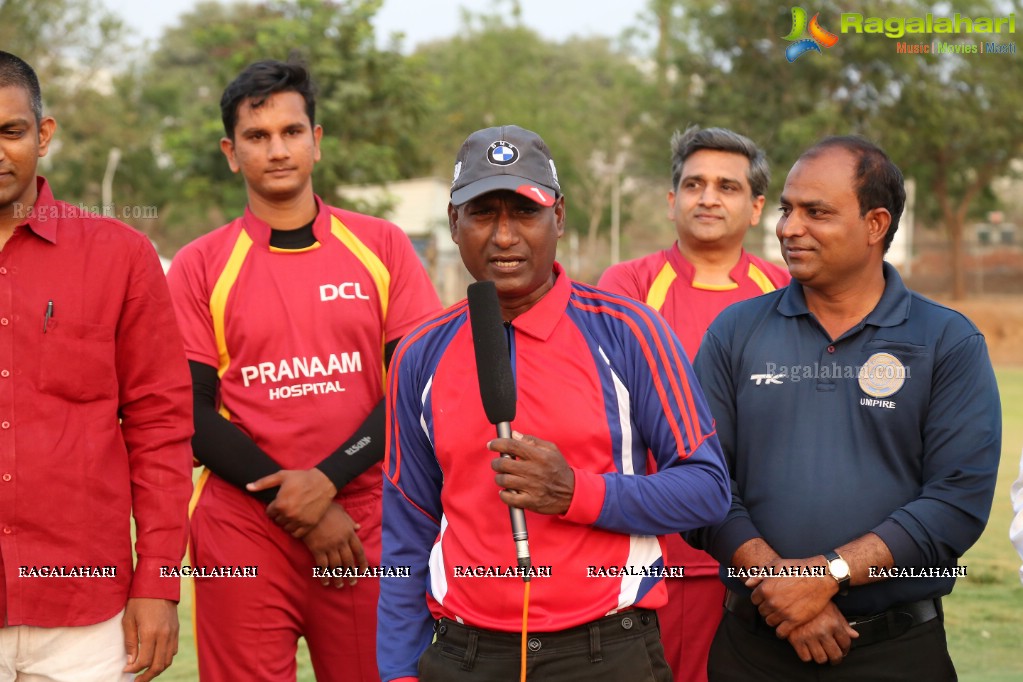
[(88, 653)]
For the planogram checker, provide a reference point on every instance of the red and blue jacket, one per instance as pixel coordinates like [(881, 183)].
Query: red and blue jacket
[(603, 378)]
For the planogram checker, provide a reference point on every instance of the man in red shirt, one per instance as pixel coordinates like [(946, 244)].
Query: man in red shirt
[(611, 449), (289, 315), (95, 418), (718, 183)]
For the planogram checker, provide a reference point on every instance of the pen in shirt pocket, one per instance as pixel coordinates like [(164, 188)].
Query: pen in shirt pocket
[(48, 315)]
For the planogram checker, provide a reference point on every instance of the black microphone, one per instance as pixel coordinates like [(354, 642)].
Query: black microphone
[(497, 385)]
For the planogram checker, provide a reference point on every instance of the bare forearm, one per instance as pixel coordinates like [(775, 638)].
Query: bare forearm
[(755, 552), (862, 554)]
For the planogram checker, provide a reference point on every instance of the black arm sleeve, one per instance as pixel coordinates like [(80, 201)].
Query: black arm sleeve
[(219, 444), (365, 447)]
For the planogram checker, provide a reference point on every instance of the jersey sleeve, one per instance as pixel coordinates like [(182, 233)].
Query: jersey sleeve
[(411, 522), (190, 293), (672, 418), (218, 444), (621, 279), (412, 298)]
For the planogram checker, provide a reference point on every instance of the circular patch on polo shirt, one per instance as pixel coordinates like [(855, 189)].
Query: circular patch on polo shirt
[(882, 375)]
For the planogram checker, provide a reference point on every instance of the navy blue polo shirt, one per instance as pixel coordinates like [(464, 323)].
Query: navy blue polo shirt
[(893, 428)]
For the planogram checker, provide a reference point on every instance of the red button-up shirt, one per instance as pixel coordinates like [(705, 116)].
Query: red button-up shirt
[(95, 420)]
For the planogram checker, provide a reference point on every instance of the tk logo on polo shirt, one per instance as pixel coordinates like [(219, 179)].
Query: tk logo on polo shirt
[(767, 379)]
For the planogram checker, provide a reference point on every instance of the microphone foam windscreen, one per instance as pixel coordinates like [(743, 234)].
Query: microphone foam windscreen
[(493, 359)]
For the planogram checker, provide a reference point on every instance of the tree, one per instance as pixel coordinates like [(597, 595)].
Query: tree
[(75, 47), (60, 37), (967, 128), (951, 122), (368, 101), (584, 97)]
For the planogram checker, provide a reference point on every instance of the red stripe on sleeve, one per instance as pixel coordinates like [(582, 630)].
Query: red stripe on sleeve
[(686, 404)]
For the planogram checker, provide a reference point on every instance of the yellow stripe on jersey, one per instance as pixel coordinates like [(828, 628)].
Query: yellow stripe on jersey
[(221, 290), (715, 287), (190, 548), (659, 289), (377, 270), (313, 247), (761, 280), (197, 491)]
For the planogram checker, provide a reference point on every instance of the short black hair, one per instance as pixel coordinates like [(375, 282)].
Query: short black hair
[(694, 139), (261, 79), (879, 182), (15, 72)]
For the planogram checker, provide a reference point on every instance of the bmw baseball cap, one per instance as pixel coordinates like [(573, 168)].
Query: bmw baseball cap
[(505, 157)]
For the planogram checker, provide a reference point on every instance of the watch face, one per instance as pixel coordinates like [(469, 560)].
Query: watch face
[(839, 568)]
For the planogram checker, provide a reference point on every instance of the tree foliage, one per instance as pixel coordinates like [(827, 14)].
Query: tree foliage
[(367, 101), (74, 47), (952, 122), (583, 96)]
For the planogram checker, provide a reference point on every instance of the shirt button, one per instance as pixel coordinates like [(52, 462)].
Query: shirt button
[(7, 530), (7, 477), (831, 349), (5, 425), (4, 321), (4, 373), (3, 271)]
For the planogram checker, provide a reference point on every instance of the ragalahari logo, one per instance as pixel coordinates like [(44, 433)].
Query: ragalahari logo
[(819, 37)]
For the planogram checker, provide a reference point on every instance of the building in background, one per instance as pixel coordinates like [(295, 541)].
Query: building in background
[(419, 207)]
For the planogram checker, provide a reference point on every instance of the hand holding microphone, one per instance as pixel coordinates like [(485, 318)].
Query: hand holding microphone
[(538, 478)]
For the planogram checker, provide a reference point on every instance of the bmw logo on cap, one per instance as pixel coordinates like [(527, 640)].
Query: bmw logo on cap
[(502, 153)]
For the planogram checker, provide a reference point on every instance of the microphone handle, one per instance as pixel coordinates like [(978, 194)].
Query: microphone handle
[(518, 517)]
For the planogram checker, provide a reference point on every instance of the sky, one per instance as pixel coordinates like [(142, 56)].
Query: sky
[(424, 20)]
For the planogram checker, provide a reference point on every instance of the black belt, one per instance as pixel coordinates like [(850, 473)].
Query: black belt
[(629, 623), (879, 627)]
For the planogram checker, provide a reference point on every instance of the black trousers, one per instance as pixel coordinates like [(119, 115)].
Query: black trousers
[(625, 647), (742, 651)]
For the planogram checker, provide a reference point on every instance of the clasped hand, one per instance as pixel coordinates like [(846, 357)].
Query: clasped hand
[(801, 611), (305, 508), (303, 498)]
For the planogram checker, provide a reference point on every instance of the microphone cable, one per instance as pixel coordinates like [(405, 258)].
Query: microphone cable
[(525, 617)]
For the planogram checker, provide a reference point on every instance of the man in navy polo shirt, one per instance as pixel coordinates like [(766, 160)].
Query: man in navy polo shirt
[(862, 428)]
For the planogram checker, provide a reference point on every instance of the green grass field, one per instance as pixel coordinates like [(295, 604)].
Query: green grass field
[(982, 616)]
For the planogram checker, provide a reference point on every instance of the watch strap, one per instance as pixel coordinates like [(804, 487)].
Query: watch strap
[(843, 583)]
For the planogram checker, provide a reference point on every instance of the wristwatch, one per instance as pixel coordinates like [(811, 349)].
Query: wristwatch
[(839, 570)]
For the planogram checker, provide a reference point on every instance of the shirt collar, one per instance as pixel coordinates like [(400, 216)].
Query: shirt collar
[(540, 320), (891, 310), (260, 230), (685, 270), (43, 218)]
